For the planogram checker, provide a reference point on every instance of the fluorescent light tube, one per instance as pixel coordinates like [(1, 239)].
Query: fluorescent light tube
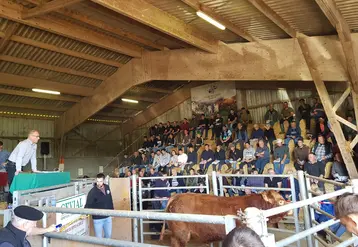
[(130, 101), (210, 20), (45, 91)]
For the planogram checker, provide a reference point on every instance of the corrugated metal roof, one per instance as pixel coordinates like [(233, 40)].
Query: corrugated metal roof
[(187, 14), (305, 16), (349, 10), (243, 14), (23, 70)]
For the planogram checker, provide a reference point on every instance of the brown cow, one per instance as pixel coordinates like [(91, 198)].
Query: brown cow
[(190, 203)]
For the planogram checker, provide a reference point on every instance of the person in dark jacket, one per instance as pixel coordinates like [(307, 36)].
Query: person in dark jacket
[(207, 157), (100, 197), (219, 158), (315, 168), (176, 181), (164, 194), (22, 225), (269, 135), (192, 158), (305, 113), (235, 156), (293, 133)]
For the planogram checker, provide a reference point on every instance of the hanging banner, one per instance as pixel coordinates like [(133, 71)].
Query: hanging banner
[(73, 223), (214, 97)]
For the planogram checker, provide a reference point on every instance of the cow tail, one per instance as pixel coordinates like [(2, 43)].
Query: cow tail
[(162, 232)]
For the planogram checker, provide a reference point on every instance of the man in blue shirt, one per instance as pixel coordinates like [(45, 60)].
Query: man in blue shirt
[(4, 155)]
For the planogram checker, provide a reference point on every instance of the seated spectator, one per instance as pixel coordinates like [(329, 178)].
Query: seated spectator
[(243, 237), (203, 126), (248, 157), (201, 182), (218, 125), (164, 161), (315, 168), (338, 229), (126, 162), (349, 133), (286, 183), (322, 128), (167, 130), (271, 115), (154, 130), (192, 126), (157, 159), (245, 117), (176, 181), (238, 181), (305, 113), (161, 129), (287, 114), (151, 158), (192, 159), (136, 160), (163, 194), (198, 142), (323, 150), (254, 182), (232, 120), (207, 157), (185, 126), (241, 135), (192, 181), (269, 135), (211, 126), (185, 141), (173, 161), (272, 182), (300, 152), (235, 155), (317, 110), (146, 143), (171, 143), (281, 157), (219, 158), (176, 129), (182, 159), (262, 156), (339, 171), (293, 133), (257, 133), (145, 160), (151, 142), (158, 143), (225, 183), (226, 136)]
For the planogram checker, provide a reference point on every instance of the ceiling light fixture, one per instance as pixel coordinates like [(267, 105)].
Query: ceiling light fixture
[(210, 20), (45, 91), (130, 100)]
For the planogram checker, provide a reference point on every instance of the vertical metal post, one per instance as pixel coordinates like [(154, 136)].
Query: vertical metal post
[(44, 224), (309, 196), (15, 199), (7, 216), (303, 193), (295, 211), (207, 184), (230, 223), (221, 185), (215, 183), (140, 209), (135, 208)]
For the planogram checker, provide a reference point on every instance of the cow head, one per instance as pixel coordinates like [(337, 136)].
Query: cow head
[(275, 199)]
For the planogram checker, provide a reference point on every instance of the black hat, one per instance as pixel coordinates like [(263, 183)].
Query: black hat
[(28, 213)]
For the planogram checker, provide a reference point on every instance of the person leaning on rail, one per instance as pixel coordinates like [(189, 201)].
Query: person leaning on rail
[(346, 209), (242, 237), (22, 225)]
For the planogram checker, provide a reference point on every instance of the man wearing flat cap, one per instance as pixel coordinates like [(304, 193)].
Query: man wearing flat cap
[(22, 225)]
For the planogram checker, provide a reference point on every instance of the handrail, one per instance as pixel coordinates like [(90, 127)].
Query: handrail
[(326, 180), (197, 218), (97, 241)]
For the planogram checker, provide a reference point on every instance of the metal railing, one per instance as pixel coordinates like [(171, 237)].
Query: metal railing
[(292, 189), (140, 198), (7, 214)]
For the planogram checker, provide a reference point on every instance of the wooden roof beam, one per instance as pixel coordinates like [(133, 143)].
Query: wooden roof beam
[(131, 74), (29, 82), (7, 35), (195, 4), (61, 50), (127, 106), (333, 14), (158, 19), (12, 11), (48, 7), (34, 107), (38, 95), (115, 115), (51, 67), (103, 26), (274, 17), (156, 89), (156, 110)]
